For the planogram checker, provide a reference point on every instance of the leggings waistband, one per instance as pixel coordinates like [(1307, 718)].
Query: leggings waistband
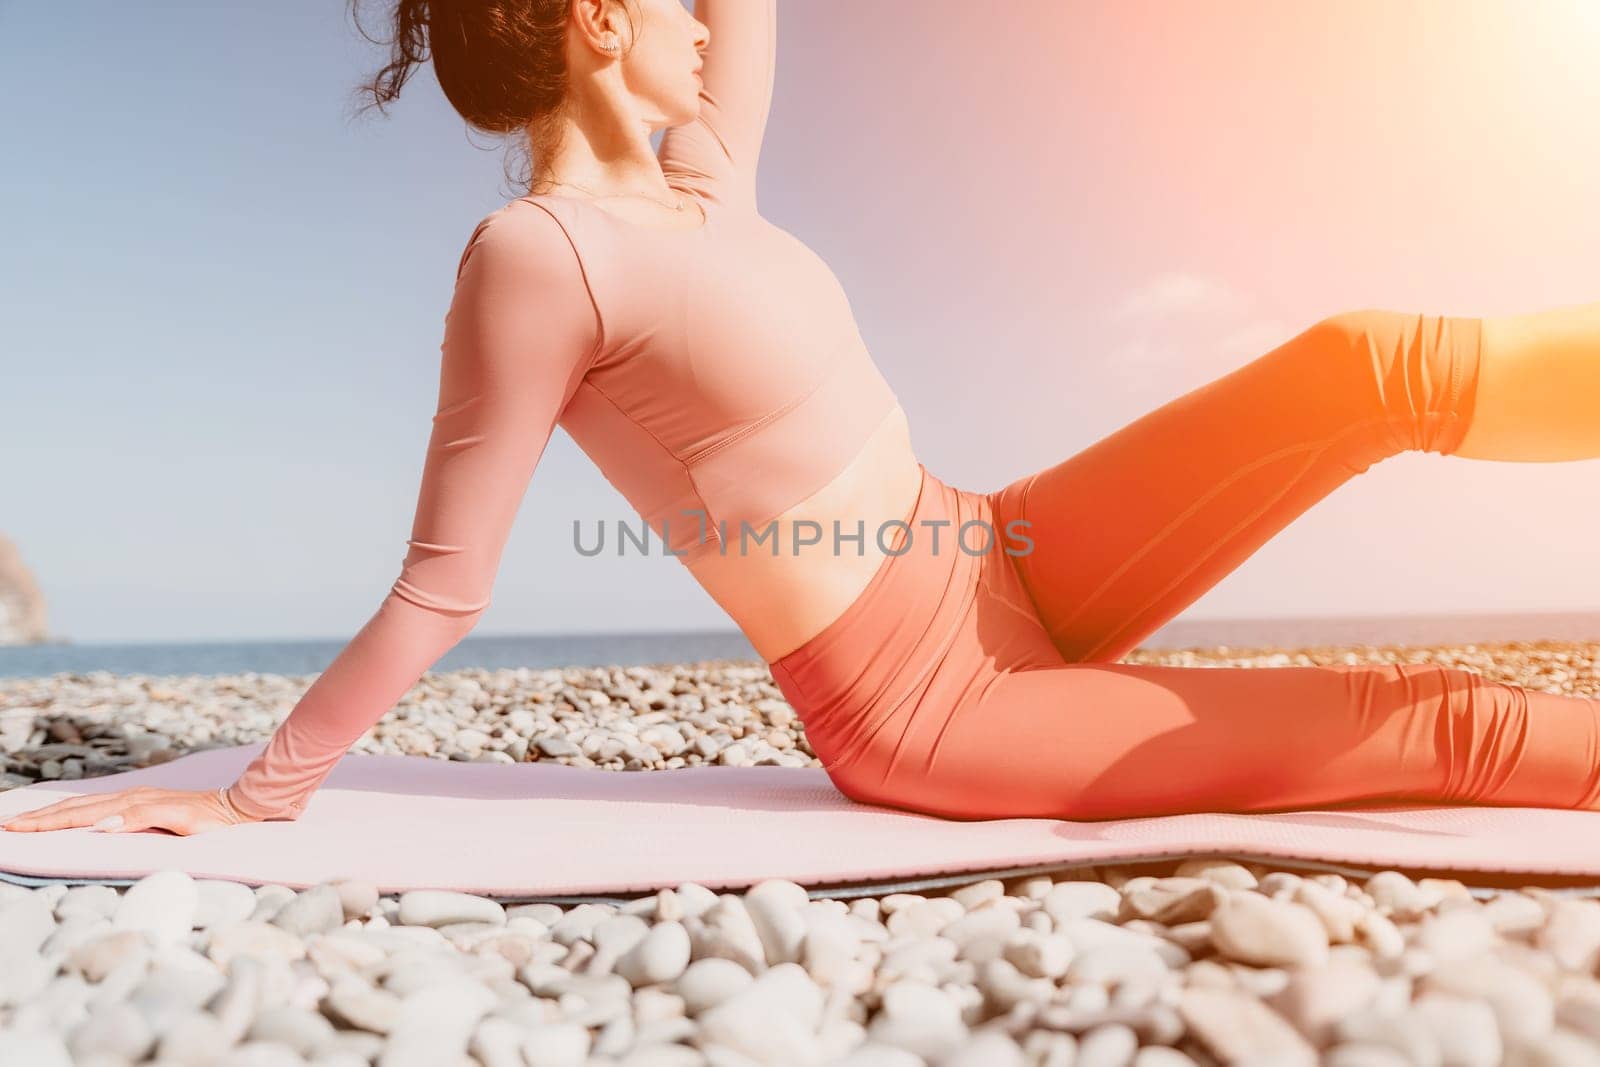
[(849, 679)]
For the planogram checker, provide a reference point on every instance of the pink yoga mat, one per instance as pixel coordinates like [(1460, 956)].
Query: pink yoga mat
[(546, 830)]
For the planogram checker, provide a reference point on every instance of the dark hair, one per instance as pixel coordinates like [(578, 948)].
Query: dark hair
[(501, 63)]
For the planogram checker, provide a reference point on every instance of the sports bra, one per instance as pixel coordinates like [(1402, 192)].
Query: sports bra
[(722, 378), (714, 375)]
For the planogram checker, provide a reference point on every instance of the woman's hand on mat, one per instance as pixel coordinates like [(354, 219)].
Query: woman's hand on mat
[(144, 807)]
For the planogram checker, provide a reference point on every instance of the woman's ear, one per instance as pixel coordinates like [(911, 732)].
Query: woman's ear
[(600, 27)]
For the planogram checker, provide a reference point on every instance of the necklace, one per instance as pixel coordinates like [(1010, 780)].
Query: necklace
[(679, 206)]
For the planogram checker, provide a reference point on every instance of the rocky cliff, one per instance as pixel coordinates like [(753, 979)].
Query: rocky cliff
[(21, 603)]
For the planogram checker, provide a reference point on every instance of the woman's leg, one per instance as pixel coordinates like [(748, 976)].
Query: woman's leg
[(942, 691), (1133, 529), (1539, 387), (1118, 740)]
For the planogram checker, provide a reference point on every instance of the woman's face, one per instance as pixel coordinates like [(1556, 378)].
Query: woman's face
[(661, 63)]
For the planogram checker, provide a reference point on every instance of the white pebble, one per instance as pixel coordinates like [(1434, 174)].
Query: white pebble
[(162, 905), (221, 903), (437, 907), (1263, 931), (660, 956)]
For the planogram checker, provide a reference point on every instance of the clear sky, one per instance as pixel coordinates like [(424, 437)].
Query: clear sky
[(222, 295)]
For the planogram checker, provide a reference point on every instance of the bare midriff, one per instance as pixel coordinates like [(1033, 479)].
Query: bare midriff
[(781, 599)]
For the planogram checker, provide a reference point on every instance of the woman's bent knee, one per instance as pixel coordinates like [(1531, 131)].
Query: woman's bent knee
[(1420, 371)]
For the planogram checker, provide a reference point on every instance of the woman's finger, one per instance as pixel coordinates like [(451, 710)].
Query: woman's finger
[(74, 811), (28, 820), (73, 803)]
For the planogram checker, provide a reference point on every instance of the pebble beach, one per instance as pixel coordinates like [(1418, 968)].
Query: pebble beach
[(1207, 960)]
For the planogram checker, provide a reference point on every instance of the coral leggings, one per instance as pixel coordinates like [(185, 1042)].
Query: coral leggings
[(976, 674)]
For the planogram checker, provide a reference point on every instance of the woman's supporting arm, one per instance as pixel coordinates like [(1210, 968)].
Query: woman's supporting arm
[(719, 149), (521, 332)]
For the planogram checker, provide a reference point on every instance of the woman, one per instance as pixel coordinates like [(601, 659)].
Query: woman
[(952, 652)]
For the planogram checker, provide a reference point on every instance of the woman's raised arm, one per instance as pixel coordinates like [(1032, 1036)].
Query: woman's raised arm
[(719, 149), (521, 332)]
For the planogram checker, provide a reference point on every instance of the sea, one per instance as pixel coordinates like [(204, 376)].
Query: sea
[(494, 651)]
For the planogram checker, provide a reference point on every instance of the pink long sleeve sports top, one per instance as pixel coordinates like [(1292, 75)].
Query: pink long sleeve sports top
[(714, 375)]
